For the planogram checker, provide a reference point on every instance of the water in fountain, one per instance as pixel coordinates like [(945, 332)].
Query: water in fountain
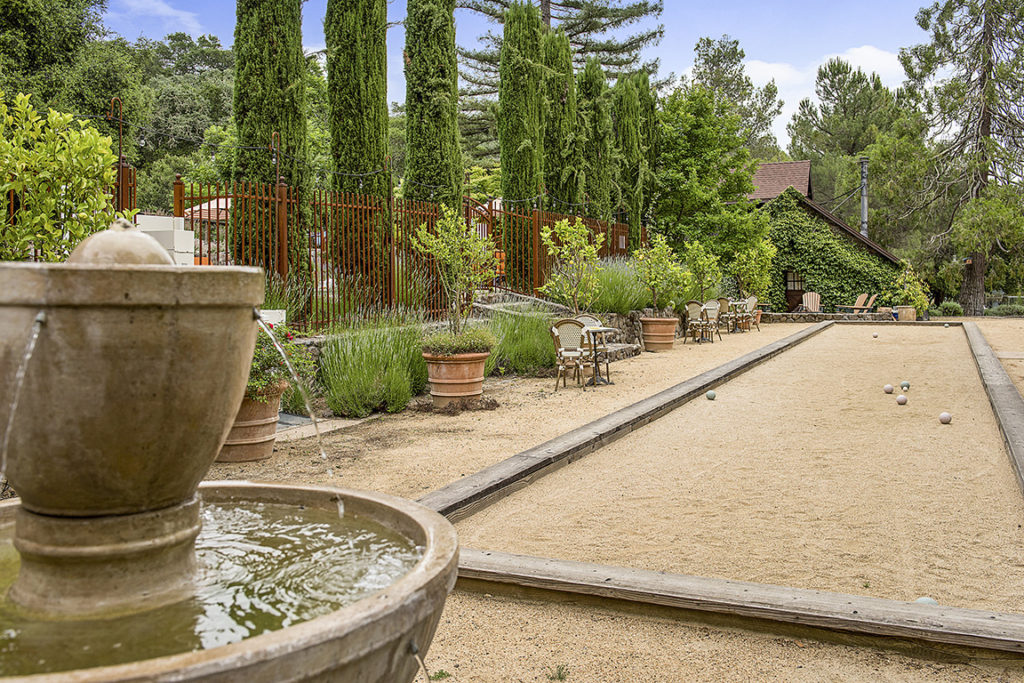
[(299, 384), (19, 379), (261, 567)]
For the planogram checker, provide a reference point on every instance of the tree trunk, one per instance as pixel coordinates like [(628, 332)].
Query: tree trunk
[(972, 293), (545, 12)]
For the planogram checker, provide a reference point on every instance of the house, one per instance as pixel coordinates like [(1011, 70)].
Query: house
[(818, 251)]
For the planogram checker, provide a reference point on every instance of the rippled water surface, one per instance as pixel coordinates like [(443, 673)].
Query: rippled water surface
[(261, 568)]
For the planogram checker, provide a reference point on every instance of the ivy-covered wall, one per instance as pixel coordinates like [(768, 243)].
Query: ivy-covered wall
[(831, 264)]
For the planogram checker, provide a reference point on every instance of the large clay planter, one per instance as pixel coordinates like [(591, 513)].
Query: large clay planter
[(659, 333), (253, 434), (455, 377), (906, 313)]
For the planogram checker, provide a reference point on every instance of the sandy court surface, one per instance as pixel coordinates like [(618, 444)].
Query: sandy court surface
[(802, 473), (1006, 335), (411, 454), (608, 646)]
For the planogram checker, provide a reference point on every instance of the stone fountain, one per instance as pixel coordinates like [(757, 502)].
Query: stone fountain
[(136, 376)]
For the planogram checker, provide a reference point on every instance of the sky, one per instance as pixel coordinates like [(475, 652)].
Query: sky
[(784, 41)]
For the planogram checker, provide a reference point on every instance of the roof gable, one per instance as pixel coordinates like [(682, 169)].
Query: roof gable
[(771, 180)]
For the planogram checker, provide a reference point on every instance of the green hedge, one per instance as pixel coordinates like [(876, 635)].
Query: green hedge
[(831, 265)]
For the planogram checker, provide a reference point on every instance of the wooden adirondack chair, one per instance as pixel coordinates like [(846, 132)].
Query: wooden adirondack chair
[(811, 303), (857, 306)]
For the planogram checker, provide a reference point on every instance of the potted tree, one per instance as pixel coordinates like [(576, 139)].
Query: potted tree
[(660, 272), (576, 252), (455, 357), (253, 434), (909, 296)]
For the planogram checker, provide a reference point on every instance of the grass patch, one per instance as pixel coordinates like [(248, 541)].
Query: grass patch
[(374, 365), (619, 290), (524, 342)]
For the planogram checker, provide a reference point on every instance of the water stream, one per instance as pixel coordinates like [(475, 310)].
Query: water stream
[(298, 381), (19, 379)]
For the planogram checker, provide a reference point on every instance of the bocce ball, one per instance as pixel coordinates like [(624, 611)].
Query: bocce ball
[(904, 385), (901, 399), (927, 601), (946, 325), (875, 335), (945, 418), (888, 388), (711, 395)]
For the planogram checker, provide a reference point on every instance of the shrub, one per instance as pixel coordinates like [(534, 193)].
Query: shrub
[(908, 290), (573, 281), (373, 365), (704, 269), (619, 289), (291, 295), (658, 270), (951, 308), (470, 340), (268, 368), (524, 342), (1006, 310)]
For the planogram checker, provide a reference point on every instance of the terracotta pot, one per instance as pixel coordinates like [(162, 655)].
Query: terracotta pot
[(253, 434), (757, 316), (455, 377), (906, 313), (659, 333)]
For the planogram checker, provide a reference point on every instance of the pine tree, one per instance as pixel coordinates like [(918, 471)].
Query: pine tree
[(595, 28), (269, 97), (563, 151), (357, 89), (596, 123), (433, 169), (974, 59), (519, 123), (630, 152)]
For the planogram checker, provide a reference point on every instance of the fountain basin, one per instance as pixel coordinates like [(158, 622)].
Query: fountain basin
[(368, 640)]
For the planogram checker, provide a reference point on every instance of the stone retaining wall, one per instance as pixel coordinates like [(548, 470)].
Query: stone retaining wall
[(821, 317)]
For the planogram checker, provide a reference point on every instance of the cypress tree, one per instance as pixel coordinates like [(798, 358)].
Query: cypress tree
[(596, 122), (269, 96), (650, 140), (563, 151), (357, 90), (632, 164), (433, 168), (519, 100)]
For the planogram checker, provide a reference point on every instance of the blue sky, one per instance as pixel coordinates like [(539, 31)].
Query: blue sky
[(786, 41)]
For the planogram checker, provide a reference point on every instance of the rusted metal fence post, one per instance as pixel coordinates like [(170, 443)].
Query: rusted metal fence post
[(281, 199), (537, 282), (179, 196)]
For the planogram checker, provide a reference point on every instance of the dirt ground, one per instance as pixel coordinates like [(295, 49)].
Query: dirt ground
[(802, 473), (410, 454), (1006, 335), (490, 639)]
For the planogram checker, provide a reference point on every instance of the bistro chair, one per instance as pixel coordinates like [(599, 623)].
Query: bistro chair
[(695, 321), (568, 337), (727, 314), (711, 314), (602, 347)]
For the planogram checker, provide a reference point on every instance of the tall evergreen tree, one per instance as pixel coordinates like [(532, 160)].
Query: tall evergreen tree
[(357, 90), (975, 59), (433, 161), (269, 97), (519, 123), (650, 139), (595, 28), (719, 67), (631, 160), (563, 150), (596, 123)]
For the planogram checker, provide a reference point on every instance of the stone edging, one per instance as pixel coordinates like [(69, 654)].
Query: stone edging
[(475, 492), (1006, 401)]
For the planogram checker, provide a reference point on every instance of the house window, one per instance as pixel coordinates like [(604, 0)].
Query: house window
[(794, 281)]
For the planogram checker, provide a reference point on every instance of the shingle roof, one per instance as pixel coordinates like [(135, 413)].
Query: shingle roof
[(771, 180)]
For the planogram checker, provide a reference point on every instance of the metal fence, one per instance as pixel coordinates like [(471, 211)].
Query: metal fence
[(352, 254)]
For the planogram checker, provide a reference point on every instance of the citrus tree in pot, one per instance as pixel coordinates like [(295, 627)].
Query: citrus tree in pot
[(464, 261), (255, 429), (660, 272)]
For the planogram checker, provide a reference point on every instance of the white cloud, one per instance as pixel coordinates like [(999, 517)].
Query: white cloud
[(797, 82), (170, 19)]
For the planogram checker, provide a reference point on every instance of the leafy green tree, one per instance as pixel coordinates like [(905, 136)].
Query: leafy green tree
[(575, 248), (179, 54), (599, 136), (658, 270), (650, 138), (563, 146), (519, 125), (599, 29), (704, 268), (705, 174), (433, 166), (969, 75), (719, 67), (484, 183), (355, 32), (752, 268), (58, 171), (993, 224), (632, 162), (396, 141)]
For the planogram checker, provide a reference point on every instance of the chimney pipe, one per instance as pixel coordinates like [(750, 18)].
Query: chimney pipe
[(864, 196)]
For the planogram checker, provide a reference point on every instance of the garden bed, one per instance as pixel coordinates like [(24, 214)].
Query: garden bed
[(802, 473)]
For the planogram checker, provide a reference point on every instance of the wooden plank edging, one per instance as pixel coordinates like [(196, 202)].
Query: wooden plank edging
[(473, 493), (822, 609), (917, 323), (1006, 401)]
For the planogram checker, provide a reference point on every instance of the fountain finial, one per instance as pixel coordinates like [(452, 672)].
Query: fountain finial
[(122, 243)]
